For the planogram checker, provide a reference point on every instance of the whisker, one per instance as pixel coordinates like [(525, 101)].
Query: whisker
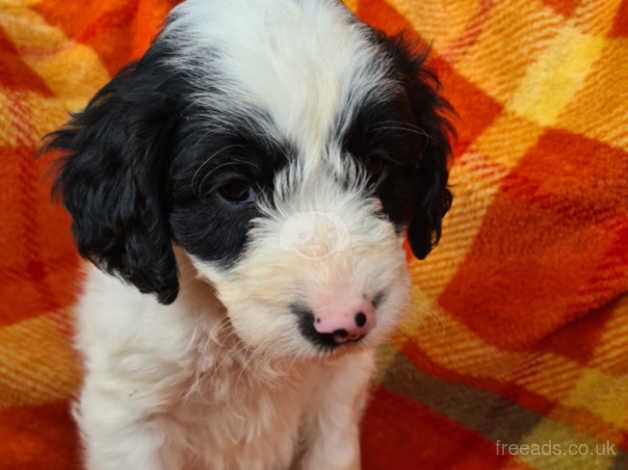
[(417, 131), (219, 167), (394, 122), (207, 160)]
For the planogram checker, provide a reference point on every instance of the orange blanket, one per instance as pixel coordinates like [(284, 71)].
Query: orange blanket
[(516, 352)]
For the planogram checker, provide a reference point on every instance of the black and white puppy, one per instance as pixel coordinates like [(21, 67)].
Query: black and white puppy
[(245, 189)]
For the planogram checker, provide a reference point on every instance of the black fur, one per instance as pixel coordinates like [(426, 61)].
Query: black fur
[(143, 165), (112, 178), (139, 174), (200, 220), (412, 133)]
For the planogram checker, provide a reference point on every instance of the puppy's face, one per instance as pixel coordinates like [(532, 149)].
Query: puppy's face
[(286, 148)]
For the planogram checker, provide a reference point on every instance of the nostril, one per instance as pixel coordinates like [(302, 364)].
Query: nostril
[(360, 319), (341, 333)]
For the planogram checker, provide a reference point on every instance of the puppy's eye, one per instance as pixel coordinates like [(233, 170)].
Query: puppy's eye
[(237, 191)]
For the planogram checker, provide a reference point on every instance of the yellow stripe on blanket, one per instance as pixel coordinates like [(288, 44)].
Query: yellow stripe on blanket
[(602, 394), (563, 448), (37, 365), (71, 70), (559, 72)]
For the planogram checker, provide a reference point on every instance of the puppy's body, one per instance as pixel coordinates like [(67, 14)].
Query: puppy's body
[(245, 189), (168, 387)]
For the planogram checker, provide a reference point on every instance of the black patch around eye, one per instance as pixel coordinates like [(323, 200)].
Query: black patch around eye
[(215, 181)]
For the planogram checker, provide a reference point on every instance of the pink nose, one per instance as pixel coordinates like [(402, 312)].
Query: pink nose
[(346, 324)]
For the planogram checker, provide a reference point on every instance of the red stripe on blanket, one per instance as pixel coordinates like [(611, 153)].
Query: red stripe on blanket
[(398, 433), (38, 437)]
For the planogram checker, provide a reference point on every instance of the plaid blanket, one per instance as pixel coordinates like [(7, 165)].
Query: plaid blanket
[(515, 354)]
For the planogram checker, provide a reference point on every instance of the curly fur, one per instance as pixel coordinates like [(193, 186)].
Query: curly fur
[(197, 324)]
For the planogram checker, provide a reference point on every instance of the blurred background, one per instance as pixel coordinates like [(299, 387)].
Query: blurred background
[(519, 330)]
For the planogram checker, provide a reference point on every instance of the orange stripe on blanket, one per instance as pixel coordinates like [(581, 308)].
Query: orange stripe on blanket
[(38, 263), (37, 364), (37, 114), (596, 18), (15, 73), (118, 31), (511, 36), (454, 27), (556, 224), (50, 54), (610, 355), (474, 108), (579, 339)]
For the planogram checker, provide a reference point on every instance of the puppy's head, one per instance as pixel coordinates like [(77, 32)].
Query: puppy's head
[(286, 148)]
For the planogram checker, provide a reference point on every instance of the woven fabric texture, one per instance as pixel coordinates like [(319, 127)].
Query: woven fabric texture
[(515, 354)]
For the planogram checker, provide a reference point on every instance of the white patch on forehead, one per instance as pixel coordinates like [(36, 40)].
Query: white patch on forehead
[(299, 61)]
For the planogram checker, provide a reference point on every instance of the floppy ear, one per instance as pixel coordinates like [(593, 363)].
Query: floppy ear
[(434, 197), (429, 110), (116, 156)]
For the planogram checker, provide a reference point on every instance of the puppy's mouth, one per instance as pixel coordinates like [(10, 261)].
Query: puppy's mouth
[(342, 337)]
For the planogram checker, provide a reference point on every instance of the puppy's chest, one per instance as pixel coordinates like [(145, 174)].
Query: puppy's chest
[(243, 417)]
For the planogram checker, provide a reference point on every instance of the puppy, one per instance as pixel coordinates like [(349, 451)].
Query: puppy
[(243, 192)]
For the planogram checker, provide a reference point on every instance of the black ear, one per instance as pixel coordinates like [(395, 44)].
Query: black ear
[(116, 157), (429, 110)]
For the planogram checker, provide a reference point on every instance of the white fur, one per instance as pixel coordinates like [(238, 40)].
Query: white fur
[(301, 61), (221, 378), (172, 387)]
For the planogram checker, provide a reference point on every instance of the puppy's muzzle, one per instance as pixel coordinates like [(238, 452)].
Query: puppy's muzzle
[(335, 323), (350, 325)]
